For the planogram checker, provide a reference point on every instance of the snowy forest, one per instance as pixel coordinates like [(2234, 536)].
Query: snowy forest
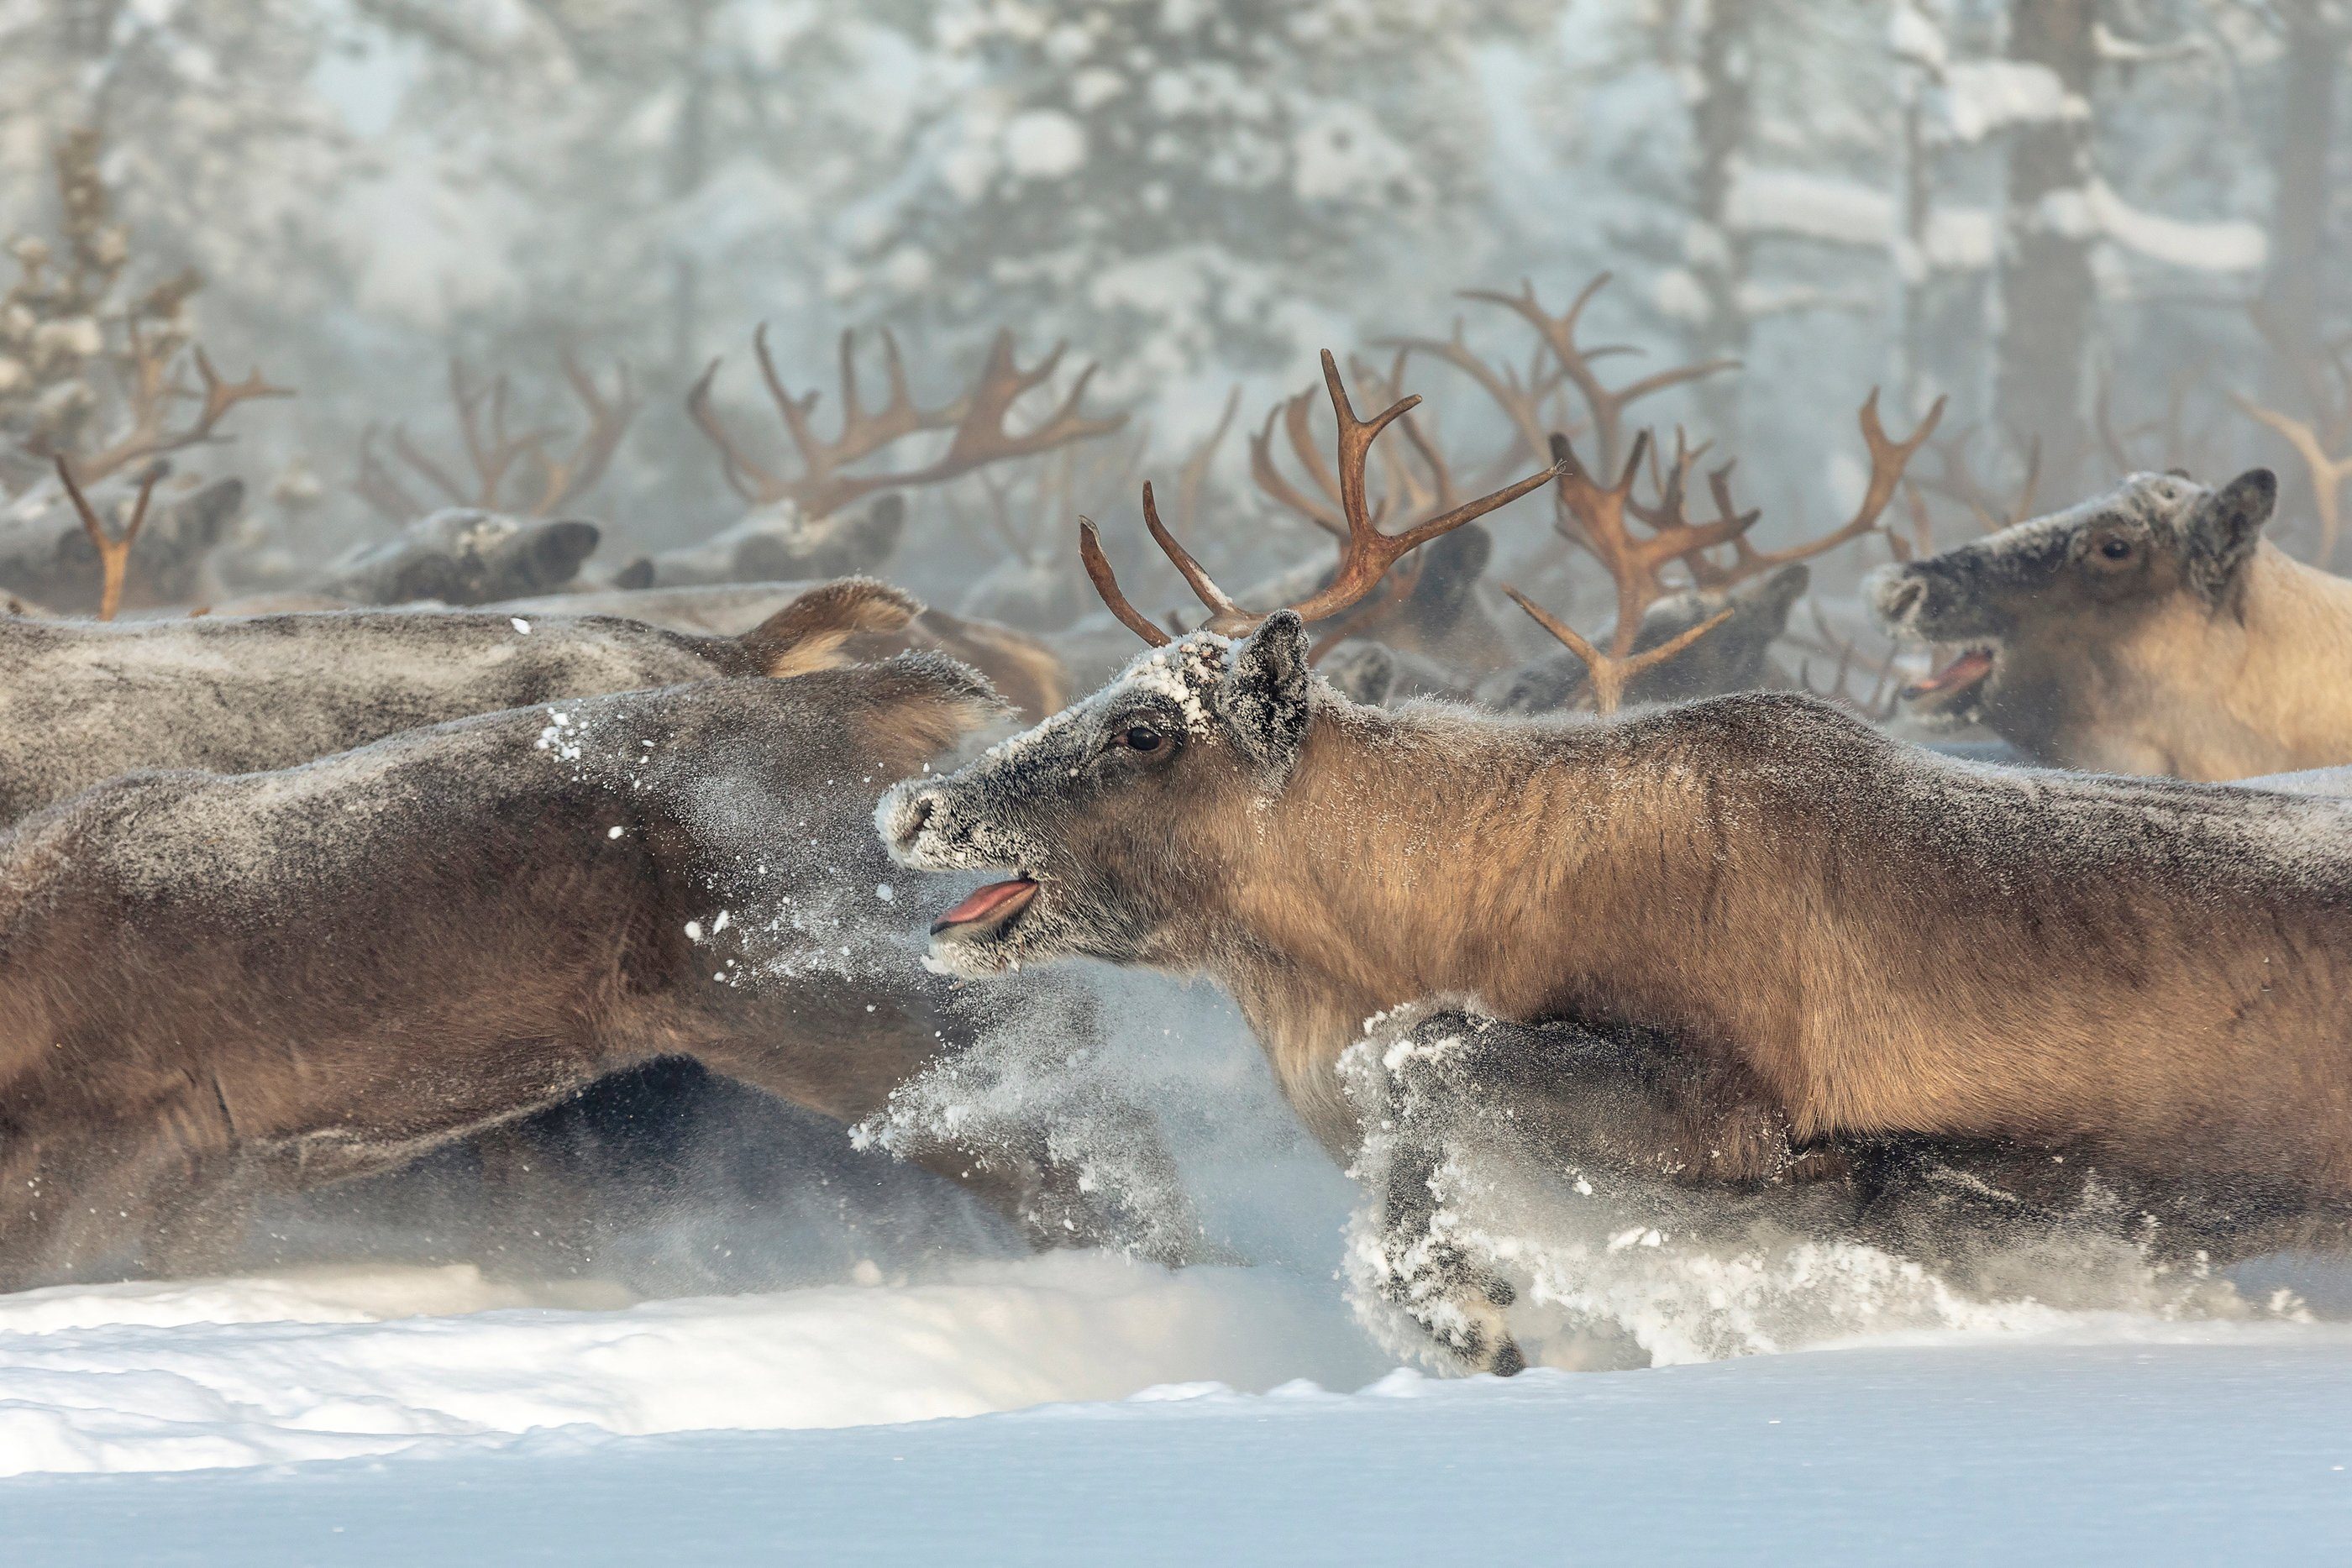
[(2100, 230), (1175, 781)]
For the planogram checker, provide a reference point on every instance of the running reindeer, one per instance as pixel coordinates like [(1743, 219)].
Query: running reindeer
[(1913, 964)]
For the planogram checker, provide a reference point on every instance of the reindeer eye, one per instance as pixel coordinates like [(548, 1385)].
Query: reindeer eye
[(2114, 548), (1141, 738)]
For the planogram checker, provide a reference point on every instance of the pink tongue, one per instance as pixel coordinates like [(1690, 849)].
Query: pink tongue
[(1965, 670), (997, 901)]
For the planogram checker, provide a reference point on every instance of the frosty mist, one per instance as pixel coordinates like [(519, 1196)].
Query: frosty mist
[(2007, 203)]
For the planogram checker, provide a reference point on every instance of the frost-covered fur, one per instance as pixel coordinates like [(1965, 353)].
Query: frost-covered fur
[(460, 555), (81, 701), (778, 542), (1734, 657), (46, 557), (2149, 630), (214, 987), (1842, 939)]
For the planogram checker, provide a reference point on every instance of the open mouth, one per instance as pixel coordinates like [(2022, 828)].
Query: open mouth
[(1963, 675), (989, 911)]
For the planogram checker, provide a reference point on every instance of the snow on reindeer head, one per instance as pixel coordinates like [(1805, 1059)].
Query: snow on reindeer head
[(1104, 812)]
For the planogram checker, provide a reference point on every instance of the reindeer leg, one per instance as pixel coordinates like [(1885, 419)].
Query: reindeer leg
[(1451, 1068), (1689, 1141), (115, 1201)]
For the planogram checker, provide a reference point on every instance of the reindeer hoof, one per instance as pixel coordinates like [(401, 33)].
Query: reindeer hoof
[(1500, 1292), (1507, 1362)]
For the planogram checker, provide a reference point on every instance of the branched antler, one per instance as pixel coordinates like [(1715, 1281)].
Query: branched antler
[(1366, 552), (497, 455), (976, 419), (113, 549), (1889, 459), (1596, 516), (1607, 405), (150, 394), (1612, 673)]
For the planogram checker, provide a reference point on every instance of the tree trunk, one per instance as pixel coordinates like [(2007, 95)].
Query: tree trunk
[(2290, 303), (1720, 123), (2046, 296)]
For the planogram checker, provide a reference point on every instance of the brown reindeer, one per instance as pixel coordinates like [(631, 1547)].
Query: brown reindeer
[(212, 988), (2150, 629), (1797, 942)]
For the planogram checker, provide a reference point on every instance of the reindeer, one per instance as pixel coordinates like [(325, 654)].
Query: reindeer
[(216, 989), (82, 702), (2148, 978), (498, 532), (2150, 629), (801, 525)]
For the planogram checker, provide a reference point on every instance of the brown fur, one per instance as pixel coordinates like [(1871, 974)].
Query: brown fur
[(1845, 940), (214, 987)]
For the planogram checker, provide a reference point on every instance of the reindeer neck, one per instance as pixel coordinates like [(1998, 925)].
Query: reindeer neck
[(1430, 851), (2298, 641)]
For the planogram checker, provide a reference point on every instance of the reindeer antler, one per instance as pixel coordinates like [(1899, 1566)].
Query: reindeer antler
[(573, 476), (2327, 474), (1612, 673), (1607, 405), (1366, 552), (977, 420), (494, 452), (1525, 399), (151, 394), (1888, 460), (113, 550)]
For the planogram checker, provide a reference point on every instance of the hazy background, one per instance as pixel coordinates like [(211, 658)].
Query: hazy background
[(2088, 223)]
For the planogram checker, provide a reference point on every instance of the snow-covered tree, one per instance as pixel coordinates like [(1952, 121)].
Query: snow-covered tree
[(1184, 184)]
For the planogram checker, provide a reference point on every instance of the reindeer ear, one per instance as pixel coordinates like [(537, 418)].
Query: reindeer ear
[(2226, 527), (807, 633), (1263, 699)]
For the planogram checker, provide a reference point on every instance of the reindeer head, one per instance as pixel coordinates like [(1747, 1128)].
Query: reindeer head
[(462, 555), (2051, 616), (1116, 817), (1107, 814)]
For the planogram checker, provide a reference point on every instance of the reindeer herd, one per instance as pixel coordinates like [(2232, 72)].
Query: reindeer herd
[(341, 869)]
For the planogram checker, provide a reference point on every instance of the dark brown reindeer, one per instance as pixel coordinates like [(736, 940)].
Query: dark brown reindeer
[(1902, 951), (216, 989), (2150, 629)]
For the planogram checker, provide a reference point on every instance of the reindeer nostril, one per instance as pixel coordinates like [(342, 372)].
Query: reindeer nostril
[(1904, 595), (918, 815)]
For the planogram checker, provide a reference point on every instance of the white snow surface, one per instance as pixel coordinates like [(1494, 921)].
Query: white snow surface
[(350, 1362)]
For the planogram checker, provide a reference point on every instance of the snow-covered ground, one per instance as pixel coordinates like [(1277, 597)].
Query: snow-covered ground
[(524, 1435), (922, 1404)]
